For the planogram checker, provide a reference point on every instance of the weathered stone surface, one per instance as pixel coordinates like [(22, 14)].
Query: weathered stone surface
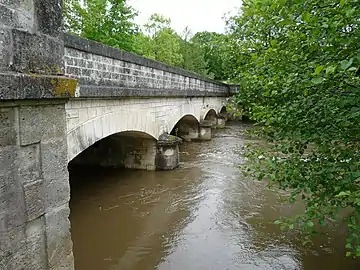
[(167, 152), (206, 123), (205, 133), (92, 47), (37, 53), (89, 121), (17, 14), (36, 245), (5, 48), (49, 121), (34, 200), (167, 157), (8, 180), (13, 205), (221, 122), (107, 72), (8, 127), (8, 17), (49, 16), (67, 263), (55, 173), (28, 164), (13, 248), (25, 247), (16, 18), (16, 86), (59, 244)]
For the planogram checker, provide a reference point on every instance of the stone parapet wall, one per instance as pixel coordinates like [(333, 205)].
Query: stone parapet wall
[(103, 71)]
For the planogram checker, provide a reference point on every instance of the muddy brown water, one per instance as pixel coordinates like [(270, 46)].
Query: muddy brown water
[(204, 215)]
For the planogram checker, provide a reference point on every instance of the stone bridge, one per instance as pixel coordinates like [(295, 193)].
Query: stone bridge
[(65, 100)]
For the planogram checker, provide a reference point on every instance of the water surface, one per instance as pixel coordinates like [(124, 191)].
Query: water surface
[(204, 215)]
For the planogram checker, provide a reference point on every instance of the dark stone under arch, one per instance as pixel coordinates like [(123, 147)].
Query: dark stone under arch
[(127, 149), (187, 128)]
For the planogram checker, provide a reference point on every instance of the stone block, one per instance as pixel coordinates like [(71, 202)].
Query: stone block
[(205, 133), (8, 126), (49, 120), (167, 154), (37, 53), (8, 17), (14, 86), (12, 248), (7, 170), (13, 206), (5, 48), (22, 12), (36, 245), (25, 247), (221, 122), (59, 244), (34, 200), (55, 173), (49, 16), (27, 163), (66, 263)]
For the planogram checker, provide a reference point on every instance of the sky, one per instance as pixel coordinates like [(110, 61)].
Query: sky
[(199, 15)]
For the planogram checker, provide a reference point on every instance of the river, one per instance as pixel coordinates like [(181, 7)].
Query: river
[(201, 216)]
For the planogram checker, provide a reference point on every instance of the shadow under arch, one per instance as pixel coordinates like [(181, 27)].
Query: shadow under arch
[(127, 149), (186, 128), (223, 110), (211, 116)]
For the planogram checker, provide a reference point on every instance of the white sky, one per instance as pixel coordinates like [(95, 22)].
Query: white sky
[(199, 15)]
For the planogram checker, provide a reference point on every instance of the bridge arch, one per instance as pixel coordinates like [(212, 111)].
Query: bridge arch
[(223, 110), (187, 127), (89, 121), (98, 128), (127, 149), (211, 116)]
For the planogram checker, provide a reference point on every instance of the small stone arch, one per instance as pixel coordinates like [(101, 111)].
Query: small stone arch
[(211, 116), (186, 128), (223, 110)]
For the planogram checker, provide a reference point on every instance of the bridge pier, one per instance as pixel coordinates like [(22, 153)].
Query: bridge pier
[(221, 121), (205, 130), (167, 154), (34, 186)]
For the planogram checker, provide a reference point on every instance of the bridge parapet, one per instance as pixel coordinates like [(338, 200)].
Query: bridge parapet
[(103, 71)]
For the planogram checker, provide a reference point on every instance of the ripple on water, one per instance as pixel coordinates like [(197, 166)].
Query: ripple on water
[(202, 216)]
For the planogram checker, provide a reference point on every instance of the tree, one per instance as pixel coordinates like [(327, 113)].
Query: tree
[(192, 53), (298, 67), (145, 46), (106, 21), (164, 44), (213, 46)]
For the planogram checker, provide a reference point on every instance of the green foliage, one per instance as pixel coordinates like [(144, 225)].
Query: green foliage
[(145, 46), (106, 21), (298, 65), (214, 47), (193, 54), (162, 43)]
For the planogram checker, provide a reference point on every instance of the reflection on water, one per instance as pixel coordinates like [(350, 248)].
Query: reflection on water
[(203, 215)]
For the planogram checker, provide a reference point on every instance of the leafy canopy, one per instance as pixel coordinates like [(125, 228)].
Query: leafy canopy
[(106, 21), (298, 65)]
